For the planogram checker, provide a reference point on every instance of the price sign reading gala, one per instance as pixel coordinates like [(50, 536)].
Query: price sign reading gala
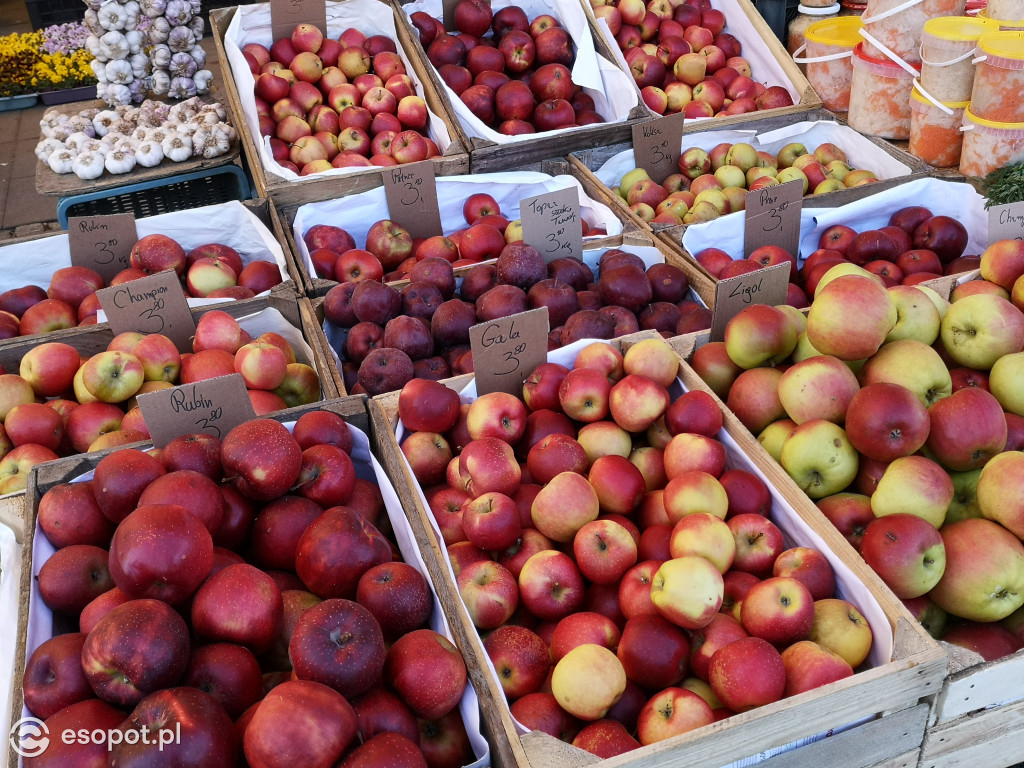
[(552, 224), (773, 217), (506, 350)]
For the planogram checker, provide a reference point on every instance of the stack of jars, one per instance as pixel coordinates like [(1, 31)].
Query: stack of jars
[(828, 59), (941, 97), (1009, 14), (994, 121)]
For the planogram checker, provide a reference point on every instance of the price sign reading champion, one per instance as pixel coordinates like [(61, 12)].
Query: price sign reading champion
[(552, 224), (657, 145), (1006, 222), (102, 243), (154, 304), (411, 193), (773, 217)]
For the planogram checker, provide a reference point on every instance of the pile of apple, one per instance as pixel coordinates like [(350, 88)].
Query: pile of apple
[(683, 60), (62, 404), (629, 586), (208, 592), (712, 184), (914, 247), (512, 73), (421, 330), (212, 271), (342, 103), (902, 416)]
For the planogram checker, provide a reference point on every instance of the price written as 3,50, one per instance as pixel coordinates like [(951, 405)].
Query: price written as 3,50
[(492, 335), (104, 253)]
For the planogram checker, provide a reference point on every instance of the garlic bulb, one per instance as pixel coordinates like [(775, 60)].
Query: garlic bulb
[(161, 82), (132, 7), (187, 129), (135, 41), (47, 147), (158, 134), (198, 55), (182, 65), (225, 130), (88, 165), (93, 5), (131, 22), (178, 12), (118, 93), (62, 131), (115, 44), (75, 140), (209, 143), (159, 30), (93, 45), (61, 161), (102, 122), (160, 55), (92, 21), (139, 63), (79, 123), (111, 16), (99, 70), (153, 8), (94, 145), (180, 40), (202, 79), (149, 153), (196, 25), (120, 160), (119, 71), (177, 147), (101, 90), (138, 88)]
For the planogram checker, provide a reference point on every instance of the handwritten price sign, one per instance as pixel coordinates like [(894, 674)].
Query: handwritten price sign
[(657, 145), (154, 304), (773, 217), (102, 243), (214, 407), (505, 351), (411, 193), (765, 286), (552, 224), (285, 15), (1006, 222)]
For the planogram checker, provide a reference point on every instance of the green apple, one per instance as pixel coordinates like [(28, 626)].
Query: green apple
[(687, 591), (113, 377), (789, 153), (913, 485), (978, 330), (731, 176), (742, 155), (631, 178), (774, 436), (819, 457), (940, 302), (792, 174), (1006, 382), (910, 364), (917, 317), (965, 496)]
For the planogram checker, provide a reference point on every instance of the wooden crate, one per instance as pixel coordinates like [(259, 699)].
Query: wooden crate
[(12, 515), (764, 39), (895, 695), (45, 476), (319, 187), (583, 165), (487, 156)]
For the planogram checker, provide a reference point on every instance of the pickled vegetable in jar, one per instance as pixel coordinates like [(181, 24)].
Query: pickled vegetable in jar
[(935, 135), (989, 145), (1005, 10), (998, 91), (947, 55), (900, 30), (828, 59), (879, 97)]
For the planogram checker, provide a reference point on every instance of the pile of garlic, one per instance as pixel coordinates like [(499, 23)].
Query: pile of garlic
[(178, 59), (116, 140), (120, 62)]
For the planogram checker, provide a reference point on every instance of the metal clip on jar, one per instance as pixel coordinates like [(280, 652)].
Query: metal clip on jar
[(947, 55), (828, 63), (935, 129), (880, 96), (989, 145)]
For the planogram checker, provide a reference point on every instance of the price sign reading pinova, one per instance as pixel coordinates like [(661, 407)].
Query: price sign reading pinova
[(765, 286), (1006, 222), (154, 304), (773, 217), (102, 243), (505, 351), (657, 145), (213, 406), (552, 224), (285, 15), (412, 198)]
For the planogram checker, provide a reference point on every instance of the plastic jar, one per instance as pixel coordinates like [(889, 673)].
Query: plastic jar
[(974, 7), (851, 8), (1005, 25), (807, 16), (998, 92), (935, 134), (828, 59), (897, 24), (989, 145), (1005, 9), (947, 55), (879, 97)]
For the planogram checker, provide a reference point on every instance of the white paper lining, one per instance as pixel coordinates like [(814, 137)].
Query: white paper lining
[(942, 198), (764, 68), (40, 624), (251, 24), (232, 224), (796, 531), (610, 87), (10, 594), (357, 213), (860, 152)]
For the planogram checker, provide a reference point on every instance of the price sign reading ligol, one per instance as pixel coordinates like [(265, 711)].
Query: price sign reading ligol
[(102, 243), (213, 406), (285, 15), (154, 304), (411, 193), (773, 217), (1006, 222), (657, 145), (552, 224), (506, 350), (765, 286)]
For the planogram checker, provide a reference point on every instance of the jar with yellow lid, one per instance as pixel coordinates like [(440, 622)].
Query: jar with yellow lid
[(935, 134), (1005, 25), (879, 97), (947, 55), (806, 16), (998, 90), (989, 144), (828, 59)]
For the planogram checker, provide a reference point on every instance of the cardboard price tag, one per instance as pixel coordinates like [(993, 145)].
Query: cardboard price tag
[(214, 407), (102, 243), (154, 304), (411, 193), (657, 145), (765, 286), (773, 217), (448, 14), (505, 351), (552, 224), (285, 15), (1006, 222)]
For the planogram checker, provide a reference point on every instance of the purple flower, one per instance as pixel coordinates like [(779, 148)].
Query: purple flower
[(64, 38)]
